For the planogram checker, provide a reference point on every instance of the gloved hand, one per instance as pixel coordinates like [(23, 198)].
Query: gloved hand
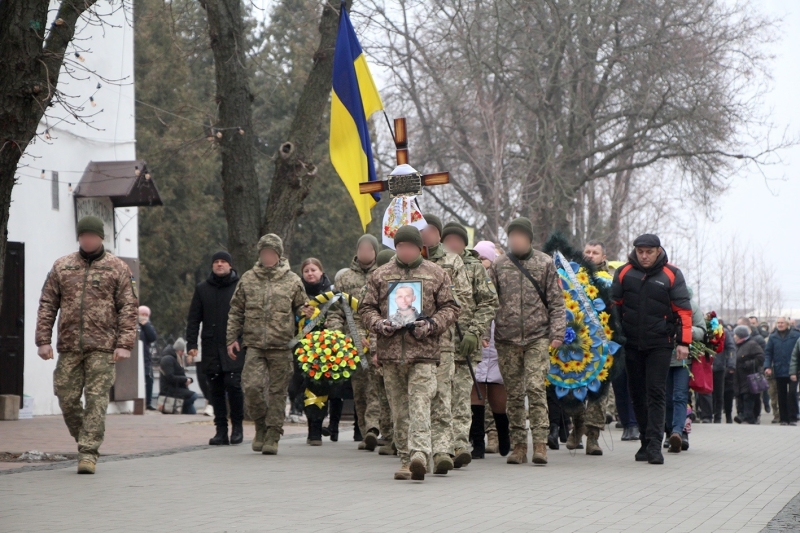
[(422, 328), (468, 345), (388, 328)]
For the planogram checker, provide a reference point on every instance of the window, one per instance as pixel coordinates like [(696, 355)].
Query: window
[(54, 190)]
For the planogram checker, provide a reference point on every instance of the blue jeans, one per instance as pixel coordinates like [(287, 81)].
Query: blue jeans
[(677, 396), (188, 404)]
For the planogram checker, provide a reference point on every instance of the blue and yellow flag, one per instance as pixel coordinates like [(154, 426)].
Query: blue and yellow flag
[(353, 99)]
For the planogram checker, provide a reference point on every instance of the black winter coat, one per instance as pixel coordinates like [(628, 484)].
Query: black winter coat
[(655, 306), (172, 380), (749, 360), (210, 306), (147, 332)]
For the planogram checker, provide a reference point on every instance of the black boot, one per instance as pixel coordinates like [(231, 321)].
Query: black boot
[(335, 410), (357, 436), (237, 435), (654, 455), (552, 438), (315, 432), (503, 436), (221, 438), (477, 432), (641, 455), (563, 432), (626, 434)]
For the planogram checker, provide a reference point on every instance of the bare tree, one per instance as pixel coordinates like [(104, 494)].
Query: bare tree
[(528, 102)]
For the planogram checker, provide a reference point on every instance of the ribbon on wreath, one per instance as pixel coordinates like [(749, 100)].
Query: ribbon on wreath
[(313, 399)]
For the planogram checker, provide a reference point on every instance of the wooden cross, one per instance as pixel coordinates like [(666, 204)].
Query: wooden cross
[(409, 184)]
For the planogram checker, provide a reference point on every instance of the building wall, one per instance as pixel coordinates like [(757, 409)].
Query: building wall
[(49, 233)]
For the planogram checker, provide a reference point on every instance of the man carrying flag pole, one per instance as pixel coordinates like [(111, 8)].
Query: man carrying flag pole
[(354, 99)]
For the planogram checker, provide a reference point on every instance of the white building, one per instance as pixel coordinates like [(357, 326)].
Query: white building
[(54, 188)]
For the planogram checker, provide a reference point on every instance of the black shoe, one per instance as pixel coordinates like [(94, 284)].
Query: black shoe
[(718, 421), (237, 435), (654, 455), (618, 425), (728, 419), (666, 444), (609, 418), (503, 435), (641, 455), (477, 431), (552, 438), (626, 434), (221, 438), (357, 437), (151, 408), (335, 412), (737, 419), (635, 433), (684, 441)]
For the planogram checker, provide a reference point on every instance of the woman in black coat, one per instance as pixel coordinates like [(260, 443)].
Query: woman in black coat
[(173, 381), (749, 360)]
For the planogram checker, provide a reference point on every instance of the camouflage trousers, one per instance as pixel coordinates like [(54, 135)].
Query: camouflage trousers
[(410, 389), (365, 398), (524, 370), (488, 417), (385, 417), (441, 406), (265, 380), (89, 374), (591, 416), (461, 405)]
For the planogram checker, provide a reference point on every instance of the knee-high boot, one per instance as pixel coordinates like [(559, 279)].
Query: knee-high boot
[(477, 432), (503, 435)]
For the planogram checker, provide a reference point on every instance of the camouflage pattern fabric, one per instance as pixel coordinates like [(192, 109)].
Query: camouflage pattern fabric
[(454, 266), (264, 307), (410, 389), (385, 412), (488, 417), (461, 406), (478, 311), (91, 374), (98, 304), (590, 416), (366, 401), (352, 281), (522, 316), (262, 367), (441, 406), (524, 370), (437, 303)]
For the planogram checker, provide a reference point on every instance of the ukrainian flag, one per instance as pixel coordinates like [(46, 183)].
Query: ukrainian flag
[(353, 99)]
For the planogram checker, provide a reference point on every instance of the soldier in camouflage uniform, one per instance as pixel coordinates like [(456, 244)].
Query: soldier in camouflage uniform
[(99, 310), (263, 311), (441, 407), (525, 327), (409, 356), (353, 281), (477, 312)]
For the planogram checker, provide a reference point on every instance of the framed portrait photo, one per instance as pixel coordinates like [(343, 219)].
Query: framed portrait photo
[(405, 302)]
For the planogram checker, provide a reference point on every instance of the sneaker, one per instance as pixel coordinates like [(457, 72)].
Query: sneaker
[(418, 466), (442, 463), (209, 410), (85, 466), (404, 472)]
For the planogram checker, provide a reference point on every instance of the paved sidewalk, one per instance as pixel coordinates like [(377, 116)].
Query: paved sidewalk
[(734, 478)]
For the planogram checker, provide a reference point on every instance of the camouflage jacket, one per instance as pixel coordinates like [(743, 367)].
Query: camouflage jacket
[(522, 316), (352, 281), (437, 303), (98, 303), (459, 284), (479, 309), (264, 306)]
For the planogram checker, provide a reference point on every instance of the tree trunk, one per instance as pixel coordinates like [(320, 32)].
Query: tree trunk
[(234, 129), (294, 169), (30, 65)]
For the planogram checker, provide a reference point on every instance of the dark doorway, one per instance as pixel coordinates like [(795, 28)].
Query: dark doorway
[(12, 321)]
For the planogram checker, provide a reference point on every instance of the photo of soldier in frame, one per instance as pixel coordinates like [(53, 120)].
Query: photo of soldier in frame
[(405, 300)]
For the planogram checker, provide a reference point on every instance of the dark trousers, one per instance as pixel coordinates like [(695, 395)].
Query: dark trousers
[(718, 396), (730, 394), (148, 382), (622, 399), (647, 382), (749, 407), (226, 384), (787, 399), (296, 391), (202, 379), (705, 406)]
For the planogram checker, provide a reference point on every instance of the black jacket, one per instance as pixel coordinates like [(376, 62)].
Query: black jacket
[(147, 332), (655, 306), (210, 306), (172, 380), (749, 360)]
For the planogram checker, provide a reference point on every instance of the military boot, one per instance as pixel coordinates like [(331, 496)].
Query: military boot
[(492, 446), (85, 466), (419, 466), (552, 438), (221, 438), (518, 455), (463, 458), (540, 453), (271, 442), (442, 463), (371, 440), (574, 441), (404, 472), (261, 433), (592, 444), (388, 449)]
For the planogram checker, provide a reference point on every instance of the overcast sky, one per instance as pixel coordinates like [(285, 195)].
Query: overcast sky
[(769, 214)]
